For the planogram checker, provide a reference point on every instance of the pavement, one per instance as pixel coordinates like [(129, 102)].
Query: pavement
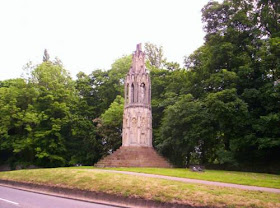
[(14, 198), (196, 181)]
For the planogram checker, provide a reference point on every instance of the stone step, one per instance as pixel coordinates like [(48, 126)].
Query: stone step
[(134, 157)]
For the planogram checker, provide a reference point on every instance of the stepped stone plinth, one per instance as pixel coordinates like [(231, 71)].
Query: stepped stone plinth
[(134, 157), (137, 149)]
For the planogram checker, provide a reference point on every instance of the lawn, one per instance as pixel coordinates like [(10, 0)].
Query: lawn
[(144, 187), (244, 178)]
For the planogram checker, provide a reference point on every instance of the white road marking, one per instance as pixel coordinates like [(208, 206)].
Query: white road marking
[(5, 200)]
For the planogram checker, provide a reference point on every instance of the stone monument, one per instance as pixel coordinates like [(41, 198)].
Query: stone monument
[(137, 117), (137, 149)]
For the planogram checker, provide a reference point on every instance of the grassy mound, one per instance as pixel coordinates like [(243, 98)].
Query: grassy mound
[(143, 187), (244, 178)]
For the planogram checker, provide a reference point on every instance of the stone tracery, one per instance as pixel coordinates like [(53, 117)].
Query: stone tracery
[(138, 103)]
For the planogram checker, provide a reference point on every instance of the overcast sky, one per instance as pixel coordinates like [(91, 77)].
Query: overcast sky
[(91, 34)]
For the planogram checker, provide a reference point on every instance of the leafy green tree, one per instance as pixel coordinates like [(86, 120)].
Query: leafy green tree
[(233, 74), (229, 115), (118, 72), (154, 55), (268, 15), (109, 126), (104, 86), (18, 117), (185, 129), (171, 66), (56, 95)]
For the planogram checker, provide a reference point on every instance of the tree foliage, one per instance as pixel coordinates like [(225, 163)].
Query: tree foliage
[(109, 126), (154, 55)]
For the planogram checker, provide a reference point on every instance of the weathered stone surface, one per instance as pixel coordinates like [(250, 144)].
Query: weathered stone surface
[(137, 127), (134, 156), (137, 149), (137, 118)]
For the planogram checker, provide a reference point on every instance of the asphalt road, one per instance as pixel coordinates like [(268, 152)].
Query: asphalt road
[(14, 198)]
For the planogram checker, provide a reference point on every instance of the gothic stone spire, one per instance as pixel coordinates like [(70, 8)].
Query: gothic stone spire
[(138, 61), (137, 118)]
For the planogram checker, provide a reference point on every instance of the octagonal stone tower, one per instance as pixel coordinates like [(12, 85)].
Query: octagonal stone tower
[(137, 117), (137, 149)]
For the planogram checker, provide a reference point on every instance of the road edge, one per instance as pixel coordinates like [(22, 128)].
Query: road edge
[(91, 196)]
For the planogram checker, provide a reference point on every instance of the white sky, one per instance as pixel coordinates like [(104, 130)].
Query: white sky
[(91, 34)]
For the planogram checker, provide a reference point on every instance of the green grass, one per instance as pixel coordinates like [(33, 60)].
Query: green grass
[(244, 178), (144, 187)]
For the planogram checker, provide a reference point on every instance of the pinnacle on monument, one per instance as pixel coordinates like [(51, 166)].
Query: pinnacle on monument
[(139, 47), (46, 56), (138, 61)]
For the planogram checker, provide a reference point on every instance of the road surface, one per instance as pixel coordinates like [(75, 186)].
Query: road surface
[(14, 198)]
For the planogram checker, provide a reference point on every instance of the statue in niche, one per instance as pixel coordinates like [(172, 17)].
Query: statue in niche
[(127, 94), (143, 131), (134, 130), (125, 122), (132, 93), (142, 92)]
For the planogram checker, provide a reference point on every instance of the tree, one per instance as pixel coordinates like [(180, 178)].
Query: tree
[(154, 55), (185, 130), (233, 74), (109, 126), (56, 96), (229, 115), (268, 16), (18, 117)]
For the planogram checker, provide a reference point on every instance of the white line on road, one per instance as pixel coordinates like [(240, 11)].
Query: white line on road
[(5, 200)]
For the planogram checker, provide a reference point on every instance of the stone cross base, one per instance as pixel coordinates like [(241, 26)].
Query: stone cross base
[(134, 157)]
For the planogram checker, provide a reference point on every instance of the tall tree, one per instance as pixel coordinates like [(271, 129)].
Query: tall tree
[(109, 126), (185, 130), (235, 70), (154, 55)]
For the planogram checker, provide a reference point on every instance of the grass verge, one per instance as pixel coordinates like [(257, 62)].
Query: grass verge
[(244, 178), (146, 188)]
